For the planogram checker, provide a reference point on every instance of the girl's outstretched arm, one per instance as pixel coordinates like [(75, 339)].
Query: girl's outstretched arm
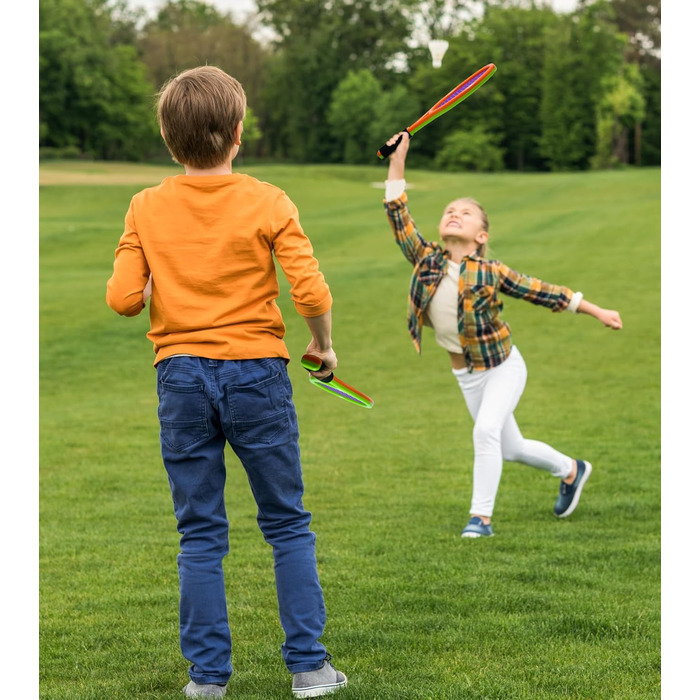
[(607, 317)]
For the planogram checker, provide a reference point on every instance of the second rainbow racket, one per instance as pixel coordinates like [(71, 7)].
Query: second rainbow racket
[(333, 385)]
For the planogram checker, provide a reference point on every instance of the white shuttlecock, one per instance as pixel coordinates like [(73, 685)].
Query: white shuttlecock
[(437, 47)]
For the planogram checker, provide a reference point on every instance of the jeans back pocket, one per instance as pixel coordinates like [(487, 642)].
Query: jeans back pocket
[(182, 411), (260, 412)]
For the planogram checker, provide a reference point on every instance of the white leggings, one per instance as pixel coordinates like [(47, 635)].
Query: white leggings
[(491, 397)]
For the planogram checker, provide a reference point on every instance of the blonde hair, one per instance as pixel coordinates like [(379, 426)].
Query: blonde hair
[(198, 112), (482, 250)]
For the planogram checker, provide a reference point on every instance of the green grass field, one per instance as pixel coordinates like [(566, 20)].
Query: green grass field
[(545, 610)]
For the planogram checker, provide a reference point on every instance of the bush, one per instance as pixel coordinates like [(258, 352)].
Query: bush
[(474, 150), (64, 153)]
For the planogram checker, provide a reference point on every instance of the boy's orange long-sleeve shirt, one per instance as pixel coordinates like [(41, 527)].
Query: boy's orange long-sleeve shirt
[(208, 241)]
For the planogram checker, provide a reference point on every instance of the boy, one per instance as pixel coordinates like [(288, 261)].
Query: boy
[(202, 245)]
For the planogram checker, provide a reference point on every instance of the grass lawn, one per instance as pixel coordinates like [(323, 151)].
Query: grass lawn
[(545, 610)]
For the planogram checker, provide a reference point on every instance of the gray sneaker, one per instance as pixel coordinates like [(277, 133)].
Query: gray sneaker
[(322, 681), (205, 690), (569, 494)]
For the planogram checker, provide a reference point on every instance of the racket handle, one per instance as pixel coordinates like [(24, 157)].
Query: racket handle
[(387, 150), (312, 363)]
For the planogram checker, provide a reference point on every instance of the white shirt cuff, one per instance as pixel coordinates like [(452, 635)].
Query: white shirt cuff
[(394, 189), (574, 303)]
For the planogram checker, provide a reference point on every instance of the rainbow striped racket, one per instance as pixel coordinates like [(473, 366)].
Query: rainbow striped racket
[(452, 99), (333, 385)]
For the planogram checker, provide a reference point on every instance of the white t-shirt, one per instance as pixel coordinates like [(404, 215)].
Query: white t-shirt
[(441, 314)]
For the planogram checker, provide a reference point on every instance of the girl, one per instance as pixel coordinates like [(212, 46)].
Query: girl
[(455, 290)]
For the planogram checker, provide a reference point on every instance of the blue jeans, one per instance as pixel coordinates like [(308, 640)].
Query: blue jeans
[(203, 404)]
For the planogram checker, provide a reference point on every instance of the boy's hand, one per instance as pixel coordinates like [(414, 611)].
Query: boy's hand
[(330, 361)]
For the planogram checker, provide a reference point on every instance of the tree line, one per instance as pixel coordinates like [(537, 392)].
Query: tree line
[(331, 80)]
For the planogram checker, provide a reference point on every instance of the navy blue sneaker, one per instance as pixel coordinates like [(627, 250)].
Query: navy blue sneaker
[(569, 494), (477, 528)]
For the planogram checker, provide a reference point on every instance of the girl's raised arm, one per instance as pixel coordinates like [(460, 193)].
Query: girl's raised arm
[(397, 160)]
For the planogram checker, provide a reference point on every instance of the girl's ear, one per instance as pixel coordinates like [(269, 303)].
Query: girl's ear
[(482, 237)]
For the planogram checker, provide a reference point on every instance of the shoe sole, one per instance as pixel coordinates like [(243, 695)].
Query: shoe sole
[(318, 690), (192, 693), (577, 494), (474, 535)]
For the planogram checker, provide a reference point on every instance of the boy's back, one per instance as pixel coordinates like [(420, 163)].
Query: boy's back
[(208, 241), (203, 244)]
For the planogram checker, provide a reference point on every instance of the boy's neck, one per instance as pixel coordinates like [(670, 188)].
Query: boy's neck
[(223, 169)]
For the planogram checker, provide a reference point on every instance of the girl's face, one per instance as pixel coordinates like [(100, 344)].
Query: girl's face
[(463, 221)]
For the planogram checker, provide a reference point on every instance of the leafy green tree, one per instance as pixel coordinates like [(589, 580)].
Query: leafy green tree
[(296, 95), (352, 114), (251, 132), (363, 115), (515, 38), (189, 33), (581, 51), (648, 133), (467, 53), (93, 93), (395, 109), (474, 150), (123, 19), (318, 43), (442, 19), (619, 109), (640, 20)]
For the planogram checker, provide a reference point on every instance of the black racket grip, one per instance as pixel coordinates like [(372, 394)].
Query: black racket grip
[(387, 150), (327, 379)]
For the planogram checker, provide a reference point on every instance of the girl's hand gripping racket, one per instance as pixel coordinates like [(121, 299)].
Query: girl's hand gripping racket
[(333, 385), (452, 99)]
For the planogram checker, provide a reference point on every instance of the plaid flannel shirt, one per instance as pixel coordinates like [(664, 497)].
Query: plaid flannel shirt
[(484, 336)]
